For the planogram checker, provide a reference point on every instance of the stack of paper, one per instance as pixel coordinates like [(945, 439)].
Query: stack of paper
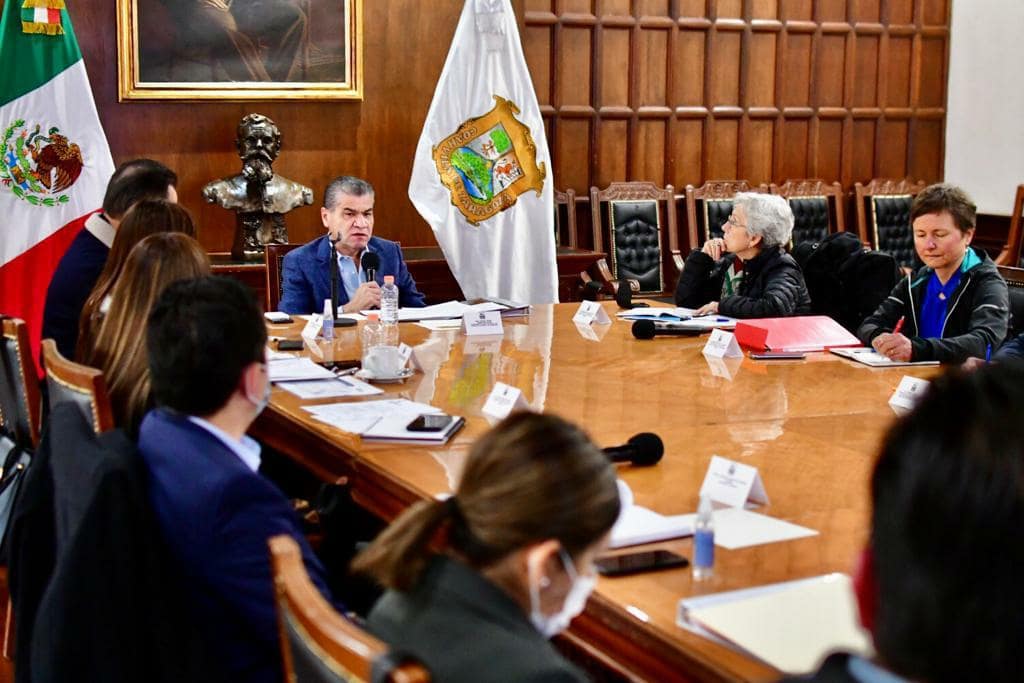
[(791, 626), (446, 311), (637, 524), (336, 387), (869, 356), (384, 420), (683, 318), (293, 368)]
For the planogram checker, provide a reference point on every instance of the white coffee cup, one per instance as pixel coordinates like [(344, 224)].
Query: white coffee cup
[(383, 362)]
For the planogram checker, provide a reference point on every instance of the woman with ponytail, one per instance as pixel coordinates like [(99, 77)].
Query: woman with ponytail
[(477, 583)]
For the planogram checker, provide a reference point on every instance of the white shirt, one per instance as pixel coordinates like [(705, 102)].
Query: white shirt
[(101, 228), (350, 276), (247, 450)]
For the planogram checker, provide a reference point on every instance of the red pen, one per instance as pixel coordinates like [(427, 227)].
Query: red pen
[(899, 325)]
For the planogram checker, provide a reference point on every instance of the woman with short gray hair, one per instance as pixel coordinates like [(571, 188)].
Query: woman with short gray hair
[(747, 272)]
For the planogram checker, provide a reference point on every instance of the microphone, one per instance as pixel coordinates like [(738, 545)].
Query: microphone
[(645, 448), (624, 296), (648, 329), (371, 262)]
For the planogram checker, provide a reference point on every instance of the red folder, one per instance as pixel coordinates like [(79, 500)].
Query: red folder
[(801, 333)]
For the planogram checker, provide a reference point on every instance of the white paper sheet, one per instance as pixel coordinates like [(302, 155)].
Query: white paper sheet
[(739, 528), (295, 369), (330, 388)]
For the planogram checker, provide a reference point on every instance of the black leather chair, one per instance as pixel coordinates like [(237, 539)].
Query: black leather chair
[(565, 218), (20, 401), (639, 220), (883, 217), (274, 255), (1015, 284), (69, 382), (817, 208), (709, 205), (1013, 253)]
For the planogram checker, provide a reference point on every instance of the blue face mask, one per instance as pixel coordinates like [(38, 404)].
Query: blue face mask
[(261, 402)]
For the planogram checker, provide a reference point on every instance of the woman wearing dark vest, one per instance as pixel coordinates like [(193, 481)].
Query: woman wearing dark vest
[(747, 273), (956, 305), (477, 583)]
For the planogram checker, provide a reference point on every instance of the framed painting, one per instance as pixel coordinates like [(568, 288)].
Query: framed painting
[(239, 49)]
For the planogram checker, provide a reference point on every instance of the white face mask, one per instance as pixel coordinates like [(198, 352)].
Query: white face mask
[(576, 599), (262, 402)]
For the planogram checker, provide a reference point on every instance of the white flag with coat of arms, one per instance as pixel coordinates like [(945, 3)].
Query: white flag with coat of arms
[(482, 173)]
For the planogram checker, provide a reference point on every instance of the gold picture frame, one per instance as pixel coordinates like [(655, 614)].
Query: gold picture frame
[(202, 50)]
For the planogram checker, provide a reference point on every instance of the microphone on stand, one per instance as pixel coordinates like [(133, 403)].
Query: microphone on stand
[(624, 296), (338, 322), (648, 329), (371, 262), (646, 448)]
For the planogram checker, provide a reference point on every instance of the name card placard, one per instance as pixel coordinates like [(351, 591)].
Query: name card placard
[(907, 394), (591, 312), (722, 344), (732, 483), (503, 400), (312, 329), (408, 357), (476, 323)]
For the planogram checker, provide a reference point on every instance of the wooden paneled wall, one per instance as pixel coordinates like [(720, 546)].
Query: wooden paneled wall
[(671, 91), (683, 91)]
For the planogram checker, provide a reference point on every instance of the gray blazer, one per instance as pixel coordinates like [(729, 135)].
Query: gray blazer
[(464, 628)]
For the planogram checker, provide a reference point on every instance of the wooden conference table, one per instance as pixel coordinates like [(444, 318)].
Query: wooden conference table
[(811, 427)]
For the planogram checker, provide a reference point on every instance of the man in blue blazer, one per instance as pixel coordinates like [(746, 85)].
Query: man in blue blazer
[(80, 267), (347, 214), (206, 345)]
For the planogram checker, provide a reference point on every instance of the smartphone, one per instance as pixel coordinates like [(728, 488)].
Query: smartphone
[(644, 561), (290, 345), (778, 355), (431, 422), (277, 317)]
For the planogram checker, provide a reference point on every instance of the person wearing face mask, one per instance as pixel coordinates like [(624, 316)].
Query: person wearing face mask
[(206, 347), (747, 272), (957, 304), (477, 583)]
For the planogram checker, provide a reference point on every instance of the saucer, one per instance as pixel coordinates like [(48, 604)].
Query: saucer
[(403, 374)]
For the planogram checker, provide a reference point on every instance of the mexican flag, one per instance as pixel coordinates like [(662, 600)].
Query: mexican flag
[(55, 159)]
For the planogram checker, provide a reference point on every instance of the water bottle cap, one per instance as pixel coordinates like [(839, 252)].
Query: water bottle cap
[(389, 279), (373, 317)]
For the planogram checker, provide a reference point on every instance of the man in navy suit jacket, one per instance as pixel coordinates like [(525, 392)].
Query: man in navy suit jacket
[(80, 267), (347, 214), (206, 342)]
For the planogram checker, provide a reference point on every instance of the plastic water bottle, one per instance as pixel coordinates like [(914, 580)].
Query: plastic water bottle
[(704, 541), (327, 327), (389, 301), (381, 357)]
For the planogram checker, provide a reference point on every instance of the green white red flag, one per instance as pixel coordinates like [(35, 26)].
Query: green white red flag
[(55, 161)]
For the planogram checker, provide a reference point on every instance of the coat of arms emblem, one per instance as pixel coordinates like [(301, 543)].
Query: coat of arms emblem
[(488, 162), (37, 167)]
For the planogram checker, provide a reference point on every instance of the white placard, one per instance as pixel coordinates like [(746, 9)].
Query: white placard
[(732, 483), (409, 357), (722, 344), (474, 346), (312, 329), (591, 312), (478, 323), (586, 331), (907, 394), (503, 400)]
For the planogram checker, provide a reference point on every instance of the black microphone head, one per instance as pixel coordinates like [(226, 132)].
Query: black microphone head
[(370, 261), (624, 295), (647, 447), (644, 329), (591, 291)]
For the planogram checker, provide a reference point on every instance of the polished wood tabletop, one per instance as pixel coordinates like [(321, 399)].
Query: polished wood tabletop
[(811, 427)]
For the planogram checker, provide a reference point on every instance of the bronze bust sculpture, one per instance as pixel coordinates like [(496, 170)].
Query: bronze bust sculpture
[(257, 195)]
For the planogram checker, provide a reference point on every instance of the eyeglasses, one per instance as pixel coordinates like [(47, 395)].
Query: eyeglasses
[(731, 220)]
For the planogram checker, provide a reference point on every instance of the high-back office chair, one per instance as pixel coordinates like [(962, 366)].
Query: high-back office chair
[(883, 217), (319, 645), (565, 218), (69, 382), (274, 255), (1011, 254), (817, 208), (1015, 284), (637, 222), (709, 205), (20, 400)]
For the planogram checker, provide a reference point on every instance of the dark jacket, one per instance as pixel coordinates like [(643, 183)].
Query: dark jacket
[(93, 597), (977, 314), (306, 276), (466, 629), (73, 280), (772, 287), (1012, 350), (216, 515)]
